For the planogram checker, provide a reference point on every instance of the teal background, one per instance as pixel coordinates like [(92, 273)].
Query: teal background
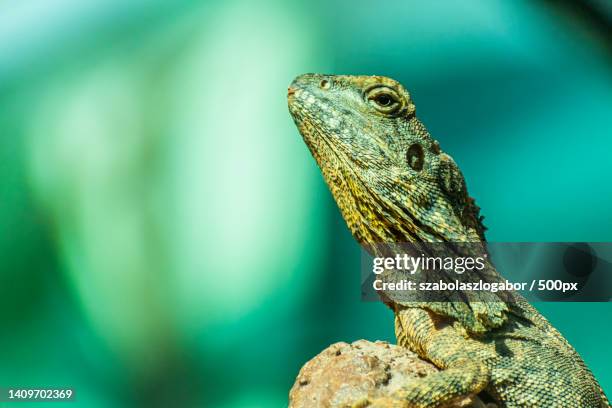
[(167, 238)]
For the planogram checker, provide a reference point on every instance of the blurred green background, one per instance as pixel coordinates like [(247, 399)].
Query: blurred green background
[(167, 240)]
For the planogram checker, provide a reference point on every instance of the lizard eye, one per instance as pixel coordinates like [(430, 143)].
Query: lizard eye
[(384, 100)]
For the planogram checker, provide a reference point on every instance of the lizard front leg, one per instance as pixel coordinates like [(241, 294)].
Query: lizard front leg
[(462, 360)]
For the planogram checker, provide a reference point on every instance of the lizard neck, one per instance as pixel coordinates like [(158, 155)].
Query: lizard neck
[(400, 210)]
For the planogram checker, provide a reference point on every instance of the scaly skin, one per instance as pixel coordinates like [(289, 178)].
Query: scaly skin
[(393, 184)]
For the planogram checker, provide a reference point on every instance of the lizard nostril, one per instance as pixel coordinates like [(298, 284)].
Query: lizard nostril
[(290, 91), (324, 84)]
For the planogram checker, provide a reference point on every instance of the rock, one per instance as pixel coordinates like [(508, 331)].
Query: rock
[(344, 374)]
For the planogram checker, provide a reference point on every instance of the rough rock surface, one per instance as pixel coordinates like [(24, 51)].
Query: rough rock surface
[(344, 373)]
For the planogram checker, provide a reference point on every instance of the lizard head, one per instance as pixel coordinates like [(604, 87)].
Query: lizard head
[(389, 177)]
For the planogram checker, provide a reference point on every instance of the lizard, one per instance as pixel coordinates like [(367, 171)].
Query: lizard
[(393, 183)]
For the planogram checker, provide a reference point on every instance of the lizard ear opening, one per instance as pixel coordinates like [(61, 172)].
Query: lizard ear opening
[(415, 157)]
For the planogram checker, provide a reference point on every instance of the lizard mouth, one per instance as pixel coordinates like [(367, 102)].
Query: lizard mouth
[(300, 103)]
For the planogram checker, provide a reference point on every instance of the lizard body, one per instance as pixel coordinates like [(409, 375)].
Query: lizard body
[(393, 184)]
